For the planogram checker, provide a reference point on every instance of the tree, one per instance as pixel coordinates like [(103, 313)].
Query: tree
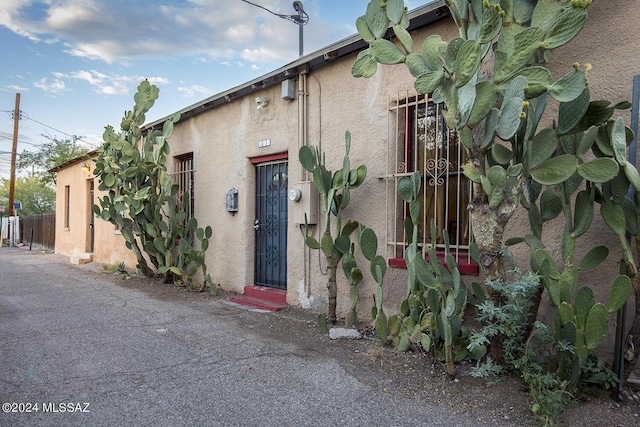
[(50, 154), (35, 196)]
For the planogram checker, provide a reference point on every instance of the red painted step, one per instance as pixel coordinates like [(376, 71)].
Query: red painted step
[(278, 296), (263, 298)]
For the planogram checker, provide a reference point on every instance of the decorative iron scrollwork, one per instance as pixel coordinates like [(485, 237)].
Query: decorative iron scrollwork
[(272, 256), (436, 169)]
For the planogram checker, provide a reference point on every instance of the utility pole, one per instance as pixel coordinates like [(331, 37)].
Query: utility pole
[(12, 181)]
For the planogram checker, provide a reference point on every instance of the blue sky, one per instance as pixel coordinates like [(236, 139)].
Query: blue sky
[(76, 63)]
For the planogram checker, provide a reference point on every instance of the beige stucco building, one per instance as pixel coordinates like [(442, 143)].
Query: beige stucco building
[(244, 143), (81, 235)]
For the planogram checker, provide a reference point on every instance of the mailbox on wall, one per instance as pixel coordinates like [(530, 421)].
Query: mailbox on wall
[(232, 201)]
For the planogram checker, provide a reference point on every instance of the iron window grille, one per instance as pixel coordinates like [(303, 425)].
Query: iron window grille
[(419, 140)]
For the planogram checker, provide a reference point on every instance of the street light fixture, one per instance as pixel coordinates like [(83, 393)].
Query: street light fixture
[(301, 19)]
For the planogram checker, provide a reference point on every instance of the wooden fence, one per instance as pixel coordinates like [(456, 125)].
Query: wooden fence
[(39, 231)]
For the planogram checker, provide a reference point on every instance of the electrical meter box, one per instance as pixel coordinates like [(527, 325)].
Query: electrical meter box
[(289, 90), (304, 198)]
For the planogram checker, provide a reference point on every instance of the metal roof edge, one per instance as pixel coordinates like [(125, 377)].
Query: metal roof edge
[(84, 157)]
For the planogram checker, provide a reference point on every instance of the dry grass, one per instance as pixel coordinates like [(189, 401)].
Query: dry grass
[(375, 353)]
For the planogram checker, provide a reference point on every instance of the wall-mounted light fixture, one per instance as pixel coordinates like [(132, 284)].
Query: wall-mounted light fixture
[(261, 101), (85, 168)]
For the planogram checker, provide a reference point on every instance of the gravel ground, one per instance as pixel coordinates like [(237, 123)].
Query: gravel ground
[(411, 374)]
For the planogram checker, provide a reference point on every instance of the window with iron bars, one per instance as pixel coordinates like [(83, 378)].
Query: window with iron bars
[(67, 206), (419, 140), (183, 175)]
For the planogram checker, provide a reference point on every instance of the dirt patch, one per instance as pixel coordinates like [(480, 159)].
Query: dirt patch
[(411, 374)]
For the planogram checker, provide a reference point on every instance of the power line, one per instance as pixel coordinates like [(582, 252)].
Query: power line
[(58, 130), (26, 116), (20, 141)]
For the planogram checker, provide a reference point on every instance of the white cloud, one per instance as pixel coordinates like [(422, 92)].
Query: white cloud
[(11, 18), (94, 78), (70, 13), (16, 88), (50, 85), (103, 84), (190, 91), (122, 30), (158, 81)]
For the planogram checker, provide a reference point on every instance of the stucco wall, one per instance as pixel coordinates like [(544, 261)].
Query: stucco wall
[(223, 142), (72, 240), (75, 241), (338, 102)]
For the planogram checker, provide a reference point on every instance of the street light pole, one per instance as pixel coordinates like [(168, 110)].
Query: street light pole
[(300, 19)]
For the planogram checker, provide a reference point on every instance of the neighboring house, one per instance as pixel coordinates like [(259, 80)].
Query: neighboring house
[(243, 144), (81, 235)]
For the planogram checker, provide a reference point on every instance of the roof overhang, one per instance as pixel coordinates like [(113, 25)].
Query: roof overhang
[(83, 158)]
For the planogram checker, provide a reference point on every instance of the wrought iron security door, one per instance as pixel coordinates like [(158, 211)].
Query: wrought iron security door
[(92, 217), (271, 225)]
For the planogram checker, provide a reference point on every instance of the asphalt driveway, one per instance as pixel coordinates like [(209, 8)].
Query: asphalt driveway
[(76, 349)]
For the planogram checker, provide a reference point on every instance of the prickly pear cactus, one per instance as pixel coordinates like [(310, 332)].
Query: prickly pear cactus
[(497, 116), (190, 259), (490, 113), (432, 312), (335, 193), (368, 242), (141, 199), (584, 323)]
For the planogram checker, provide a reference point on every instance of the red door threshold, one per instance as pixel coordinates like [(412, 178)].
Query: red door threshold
[(263, 298)]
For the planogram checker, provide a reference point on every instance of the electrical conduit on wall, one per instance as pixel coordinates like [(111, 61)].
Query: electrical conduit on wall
[(303, 174)]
